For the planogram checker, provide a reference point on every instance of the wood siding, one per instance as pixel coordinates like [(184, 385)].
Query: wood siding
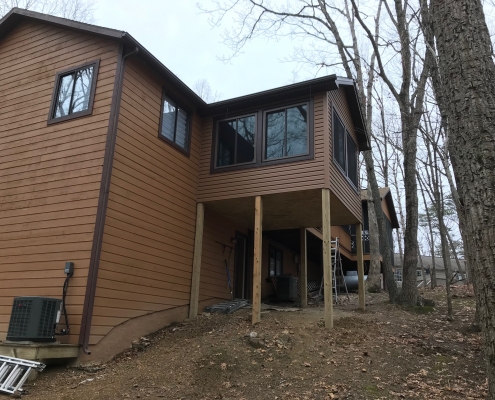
[(49, 175), (147, 251), (263, 180), (339, 185)]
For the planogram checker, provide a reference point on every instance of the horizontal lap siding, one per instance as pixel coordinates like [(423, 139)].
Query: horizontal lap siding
[(339, 185), (295, 176), (147, 250), (49, 175)]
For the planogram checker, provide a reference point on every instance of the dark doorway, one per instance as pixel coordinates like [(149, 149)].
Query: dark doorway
[(240, 267)]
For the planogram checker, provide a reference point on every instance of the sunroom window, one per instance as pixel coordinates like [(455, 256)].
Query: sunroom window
[(286, 132), (235, 141), (344, 150)]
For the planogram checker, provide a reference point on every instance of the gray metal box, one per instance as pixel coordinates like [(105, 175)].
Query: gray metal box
[(34, 319)]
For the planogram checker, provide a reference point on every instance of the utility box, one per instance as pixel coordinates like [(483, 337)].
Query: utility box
[(286, 288), (34, 319)]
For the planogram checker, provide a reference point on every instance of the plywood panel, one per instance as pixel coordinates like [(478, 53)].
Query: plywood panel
[(49, 175)]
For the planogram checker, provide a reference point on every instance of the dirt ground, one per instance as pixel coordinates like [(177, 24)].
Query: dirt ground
[(385, 353)]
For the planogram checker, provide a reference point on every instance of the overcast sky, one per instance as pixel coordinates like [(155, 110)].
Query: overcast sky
[(179, 35)]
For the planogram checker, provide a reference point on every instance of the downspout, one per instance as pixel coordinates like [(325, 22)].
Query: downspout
[(103, 199)]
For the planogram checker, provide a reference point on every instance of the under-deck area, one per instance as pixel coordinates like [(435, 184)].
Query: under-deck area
[(288, 218)]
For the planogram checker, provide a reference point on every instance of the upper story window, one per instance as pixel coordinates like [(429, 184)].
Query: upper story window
[(174, 124), (286, 132), (264, 137), (344, 150), (235, 141), (74, 92)]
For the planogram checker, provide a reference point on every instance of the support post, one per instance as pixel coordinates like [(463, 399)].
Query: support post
[(360, 266), (327, 257), (258, 242), (198, 248), (303, 267)]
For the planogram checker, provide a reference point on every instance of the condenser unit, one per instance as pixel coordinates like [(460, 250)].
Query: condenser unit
[(34, 319), (286, 288)]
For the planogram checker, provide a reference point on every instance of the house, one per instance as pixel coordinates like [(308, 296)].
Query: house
[(163, 203), (426, 262)]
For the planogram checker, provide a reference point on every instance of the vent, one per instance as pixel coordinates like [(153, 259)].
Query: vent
[(34, 319)]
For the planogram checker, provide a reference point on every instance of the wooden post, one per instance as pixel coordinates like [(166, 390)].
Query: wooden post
[(258, 242), (198, 248), (327, 257), (303, 267), (360, 266)]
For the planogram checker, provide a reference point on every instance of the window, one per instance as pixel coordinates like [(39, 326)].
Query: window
[(174, 124), (398, 274), (236, 141), (418, 273), (286, 132), (74, 93), (344, 150), (275, 262)]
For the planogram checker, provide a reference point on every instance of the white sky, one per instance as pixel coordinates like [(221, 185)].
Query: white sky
[(179, 35)]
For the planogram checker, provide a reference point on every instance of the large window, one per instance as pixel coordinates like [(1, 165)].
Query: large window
[(174, 124), (236, 141), (275, 261), (344, 150), (74, 92), (286, 132)]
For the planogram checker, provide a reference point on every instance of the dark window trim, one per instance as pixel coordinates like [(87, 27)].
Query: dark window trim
[(58, 76), (276, 248), (187, 151), (339, 167), (259, 139), (215, 141), (265, 112)]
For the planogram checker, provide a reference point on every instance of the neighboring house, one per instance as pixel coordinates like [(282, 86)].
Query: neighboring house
[(458, 275), (109, 161)]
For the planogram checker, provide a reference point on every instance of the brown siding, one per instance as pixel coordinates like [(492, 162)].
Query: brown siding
[(146, 258), (344, 240), (294, 176), (339, 185), (385, 209), (49, 175)]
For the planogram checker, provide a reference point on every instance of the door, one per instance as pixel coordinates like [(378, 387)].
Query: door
[(240, 267)]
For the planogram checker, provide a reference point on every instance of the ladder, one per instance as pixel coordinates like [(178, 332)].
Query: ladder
[(338, 280), (14, 372)]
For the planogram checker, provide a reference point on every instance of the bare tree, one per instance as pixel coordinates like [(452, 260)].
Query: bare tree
[(465, 93), (78, 10), (204, 90)]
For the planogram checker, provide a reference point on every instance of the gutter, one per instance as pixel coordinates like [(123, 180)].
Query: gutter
[(106, 175)]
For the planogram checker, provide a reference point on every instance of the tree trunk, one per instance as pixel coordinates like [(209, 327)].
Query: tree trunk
[(373, 283), (382, 229), (468, 87)]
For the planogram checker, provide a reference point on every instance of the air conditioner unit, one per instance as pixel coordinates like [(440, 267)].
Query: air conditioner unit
[(34, 319), (286, 288)]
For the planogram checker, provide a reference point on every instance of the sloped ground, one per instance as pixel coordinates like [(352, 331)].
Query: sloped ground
[(385, 353)]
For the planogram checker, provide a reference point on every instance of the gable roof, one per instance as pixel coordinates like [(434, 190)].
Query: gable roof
[(306, 88), (386, 194)]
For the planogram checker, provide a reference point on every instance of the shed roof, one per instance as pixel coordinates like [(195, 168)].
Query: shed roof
[(306, 88)]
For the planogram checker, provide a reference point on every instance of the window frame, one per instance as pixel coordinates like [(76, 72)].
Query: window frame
[(345, 171), (58, 77), (265, 127), (260, 137), (215, 142), (186, 152), (276, 249)]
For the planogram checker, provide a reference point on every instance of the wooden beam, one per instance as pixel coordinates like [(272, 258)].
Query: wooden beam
[(360, 265), (198, 248), (327, 257), (303, 267), (258, 242)]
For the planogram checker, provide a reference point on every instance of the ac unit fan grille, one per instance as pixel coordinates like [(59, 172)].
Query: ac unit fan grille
[(19, 319), (48, 310)]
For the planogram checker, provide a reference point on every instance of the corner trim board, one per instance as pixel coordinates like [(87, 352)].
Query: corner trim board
[(106, 175)]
